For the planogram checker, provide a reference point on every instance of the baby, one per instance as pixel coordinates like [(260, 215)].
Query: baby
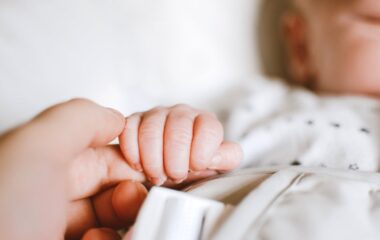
[(333, 51), (333, 119), (334, 45)]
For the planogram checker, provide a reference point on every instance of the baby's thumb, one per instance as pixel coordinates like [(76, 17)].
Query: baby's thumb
[(227, 157)]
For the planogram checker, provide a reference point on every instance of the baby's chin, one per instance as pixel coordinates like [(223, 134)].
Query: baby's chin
[(368, 94), (369, 88)]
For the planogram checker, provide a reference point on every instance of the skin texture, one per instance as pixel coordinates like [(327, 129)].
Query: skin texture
[(89, 190), (168, 143), (86, 186), (334, 46)]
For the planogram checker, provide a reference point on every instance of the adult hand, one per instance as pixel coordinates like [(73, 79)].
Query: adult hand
[(59, 178)]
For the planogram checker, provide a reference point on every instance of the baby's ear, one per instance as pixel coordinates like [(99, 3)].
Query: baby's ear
[(296, 41)]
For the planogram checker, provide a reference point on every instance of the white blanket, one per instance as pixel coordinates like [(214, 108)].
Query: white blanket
[(127, 54)]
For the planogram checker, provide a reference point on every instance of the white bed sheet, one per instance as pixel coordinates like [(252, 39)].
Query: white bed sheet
[(126, 54)]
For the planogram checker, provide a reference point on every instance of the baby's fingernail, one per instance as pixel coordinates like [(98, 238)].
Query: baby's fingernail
[(178, 181), (138, 167), (158, 181)]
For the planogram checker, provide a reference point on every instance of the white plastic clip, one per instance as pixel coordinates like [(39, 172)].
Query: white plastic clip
[(171, 215)]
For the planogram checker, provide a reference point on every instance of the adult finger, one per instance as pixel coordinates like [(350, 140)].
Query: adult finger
[(81, 217), (151, 133), (129, 141), (115, 208), (67, 129), (177, 142), (99, 168), (118, 207), (33, 155), (208, 135)]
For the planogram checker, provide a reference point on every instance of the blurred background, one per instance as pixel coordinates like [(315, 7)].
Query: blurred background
[(133, 54)]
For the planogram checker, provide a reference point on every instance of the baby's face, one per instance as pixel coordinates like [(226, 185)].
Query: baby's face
[(343, 45)]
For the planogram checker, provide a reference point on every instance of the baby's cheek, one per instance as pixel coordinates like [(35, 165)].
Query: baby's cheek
[(353, 67), (362, 70)]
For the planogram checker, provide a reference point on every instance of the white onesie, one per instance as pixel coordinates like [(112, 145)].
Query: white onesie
[(279, 125)]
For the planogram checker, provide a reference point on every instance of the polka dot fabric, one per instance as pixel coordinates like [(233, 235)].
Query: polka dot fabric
[(277, 124)]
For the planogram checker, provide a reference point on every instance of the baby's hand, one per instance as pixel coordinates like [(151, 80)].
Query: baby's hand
[(170, 142)]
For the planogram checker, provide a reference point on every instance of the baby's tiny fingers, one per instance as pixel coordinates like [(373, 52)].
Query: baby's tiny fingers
[(208, 135), (227, 157), (151, 134), (177, 142), (129, 141)]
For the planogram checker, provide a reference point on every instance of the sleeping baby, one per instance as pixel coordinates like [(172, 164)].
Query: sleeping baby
[(326, 115), (332, 119)]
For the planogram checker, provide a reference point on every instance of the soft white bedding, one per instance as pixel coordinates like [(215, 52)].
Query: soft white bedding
[(131, 55)]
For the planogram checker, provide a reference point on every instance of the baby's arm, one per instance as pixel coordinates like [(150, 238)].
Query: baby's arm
[(170, 142)]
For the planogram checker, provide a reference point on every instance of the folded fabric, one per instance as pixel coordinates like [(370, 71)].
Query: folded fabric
[(268, 203)]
